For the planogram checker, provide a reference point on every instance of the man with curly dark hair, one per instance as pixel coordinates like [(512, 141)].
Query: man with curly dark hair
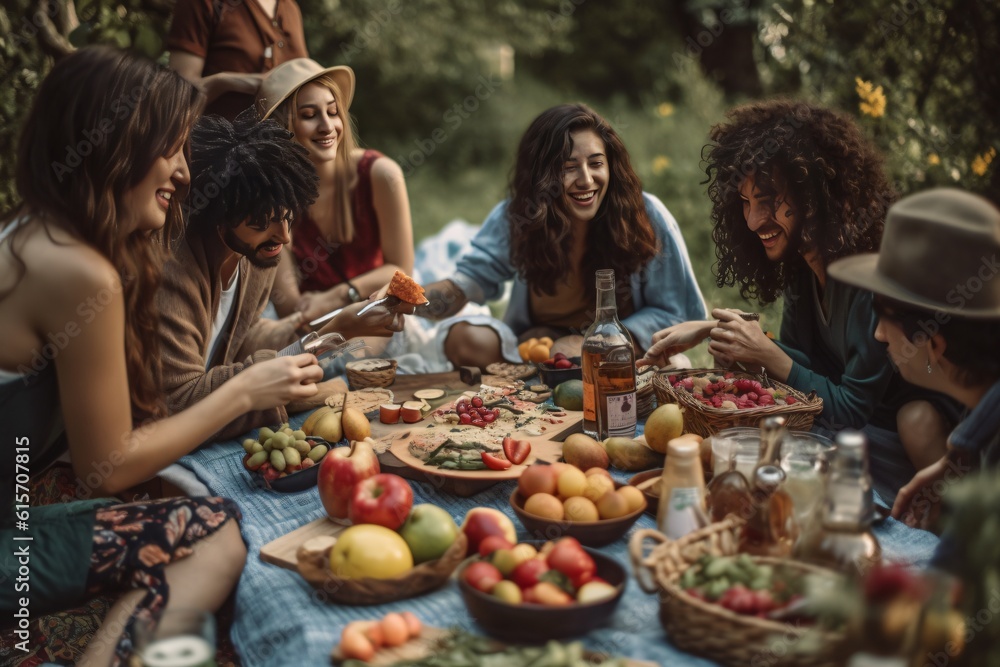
[(249, 181), (795, 186)]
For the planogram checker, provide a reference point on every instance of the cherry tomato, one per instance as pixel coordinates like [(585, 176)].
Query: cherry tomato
[(477, 402), (489, 417), (465, 418)]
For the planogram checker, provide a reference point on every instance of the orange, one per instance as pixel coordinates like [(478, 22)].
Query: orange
[(523, 348), (538, 352), (545, 340)]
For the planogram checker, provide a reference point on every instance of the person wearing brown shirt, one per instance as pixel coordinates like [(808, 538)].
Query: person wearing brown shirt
[(225, 46)]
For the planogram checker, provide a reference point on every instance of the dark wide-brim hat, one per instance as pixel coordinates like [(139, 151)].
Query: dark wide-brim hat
[(940, 251), (281, 82)]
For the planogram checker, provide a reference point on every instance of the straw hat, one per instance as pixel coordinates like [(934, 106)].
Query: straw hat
[(940, 251), (281, 82)]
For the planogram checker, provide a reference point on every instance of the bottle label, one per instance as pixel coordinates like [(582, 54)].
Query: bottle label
[(589, 402), (682, 518), (621, 414)]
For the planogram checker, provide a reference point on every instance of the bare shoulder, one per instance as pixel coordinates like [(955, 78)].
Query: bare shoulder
[(63, 267), (386, 169)]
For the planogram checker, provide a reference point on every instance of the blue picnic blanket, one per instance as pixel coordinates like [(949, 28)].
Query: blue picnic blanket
[(280, 620)]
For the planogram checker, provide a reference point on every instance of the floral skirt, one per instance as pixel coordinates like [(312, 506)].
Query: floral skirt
[(134, 543)]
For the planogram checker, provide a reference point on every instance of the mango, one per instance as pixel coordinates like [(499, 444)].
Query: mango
[(631, 455), (584, 452), (569, 395), (665, 424)]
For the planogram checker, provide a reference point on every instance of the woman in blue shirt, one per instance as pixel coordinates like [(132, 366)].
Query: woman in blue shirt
[(576, 205)]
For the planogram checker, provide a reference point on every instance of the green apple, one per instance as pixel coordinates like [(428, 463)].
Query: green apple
[(429, 531), (369, 550)]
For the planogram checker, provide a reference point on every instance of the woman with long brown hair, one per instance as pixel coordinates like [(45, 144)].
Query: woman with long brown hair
[(576, 205), (102, 171)]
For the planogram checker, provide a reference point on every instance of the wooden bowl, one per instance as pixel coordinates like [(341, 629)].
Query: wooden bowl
[(423, 578), (652, 499), (589, 533), (534, 623)]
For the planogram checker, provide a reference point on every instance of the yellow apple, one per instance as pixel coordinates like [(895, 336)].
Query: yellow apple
[(369, 550)]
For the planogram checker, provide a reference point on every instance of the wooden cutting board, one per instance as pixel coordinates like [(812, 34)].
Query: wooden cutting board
[(281, 552), (424, 646)]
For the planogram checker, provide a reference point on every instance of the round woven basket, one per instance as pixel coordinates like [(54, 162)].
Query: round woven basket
[(710, 630), (315, 568), (360, 378), (706, 420)]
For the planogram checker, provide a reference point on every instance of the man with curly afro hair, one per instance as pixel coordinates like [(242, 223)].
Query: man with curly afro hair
[(795, 186), (249, 182)]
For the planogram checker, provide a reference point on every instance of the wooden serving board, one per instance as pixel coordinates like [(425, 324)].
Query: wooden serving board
[(281, 551), (425, 645)]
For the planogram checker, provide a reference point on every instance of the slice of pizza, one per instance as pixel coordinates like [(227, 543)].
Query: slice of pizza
[(405, 288)]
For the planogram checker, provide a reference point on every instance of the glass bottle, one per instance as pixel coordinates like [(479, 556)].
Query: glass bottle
[(729, 492), (609, 383), (770, 528), (844, 540), (682, 491)]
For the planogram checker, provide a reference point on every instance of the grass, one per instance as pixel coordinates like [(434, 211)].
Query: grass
[(664, 138)]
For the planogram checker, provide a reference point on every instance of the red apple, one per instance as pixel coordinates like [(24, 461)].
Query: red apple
[(482, 576), (384, 499), (481, 522), (491, 543), (340, 470)]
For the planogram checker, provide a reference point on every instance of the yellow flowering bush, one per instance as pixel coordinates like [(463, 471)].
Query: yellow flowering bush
[(872, 98), (660, 164), (981, 163)]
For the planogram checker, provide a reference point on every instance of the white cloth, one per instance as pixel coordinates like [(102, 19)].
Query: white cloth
[(222, 317)]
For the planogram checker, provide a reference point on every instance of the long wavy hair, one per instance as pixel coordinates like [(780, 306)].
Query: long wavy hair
[(100, 120), (345, 176), (621, 236), (831, 175)]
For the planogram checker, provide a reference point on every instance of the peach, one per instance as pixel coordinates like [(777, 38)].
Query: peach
[(544, 505), (394, 629), (579, 508), (413, 624), (353, 643), (612, 505), (633, 496), (571, 482), (537, 479), (597, 486), (598, 471)]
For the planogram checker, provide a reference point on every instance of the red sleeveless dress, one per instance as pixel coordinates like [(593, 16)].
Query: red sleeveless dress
[(323, 264)]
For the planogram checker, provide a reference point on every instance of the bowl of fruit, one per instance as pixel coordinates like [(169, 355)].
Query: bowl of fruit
[(285, 459), (561, 499), (536, 591), (559, 368)]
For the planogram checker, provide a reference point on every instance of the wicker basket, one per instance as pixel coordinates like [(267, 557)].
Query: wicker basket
[(367, 373), (645, 392), (315, 568), (709, 630), (706, 420)]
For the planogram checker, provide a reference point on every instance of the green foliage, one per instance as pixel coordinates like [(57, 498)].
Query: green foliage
[(936, 62)]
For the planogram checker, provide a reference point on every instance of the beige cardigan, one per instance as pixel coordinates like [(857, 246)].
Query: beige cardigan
[(188, 300)]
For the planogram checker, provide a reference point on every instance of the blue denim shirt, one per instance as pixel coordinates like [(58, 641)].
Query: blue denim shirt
[(980, 430), (664, 291)]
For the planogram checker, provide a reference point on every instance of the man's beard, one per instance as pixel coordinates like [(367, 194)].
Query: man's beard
[(234, 243)]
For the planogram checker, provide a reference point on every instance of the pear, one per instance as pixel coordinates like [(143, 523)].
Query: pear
[(584, 452)]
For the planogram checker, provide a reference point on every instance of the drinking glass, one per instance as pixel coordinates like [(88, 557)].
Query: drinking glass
[(805, 459), (745, 441), (182, 638)]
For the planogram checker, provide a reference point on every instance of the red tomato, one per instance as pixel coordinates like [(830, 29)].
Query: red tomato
[(477, 402), (568, 557), (526, 574), (516, 451), (494, 463), (482, 576), (488, 417)]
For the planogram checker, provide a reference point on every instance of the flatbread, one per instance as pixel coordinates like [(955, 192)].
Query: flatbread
[(513, 371), (501, 382), (365, 400)]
